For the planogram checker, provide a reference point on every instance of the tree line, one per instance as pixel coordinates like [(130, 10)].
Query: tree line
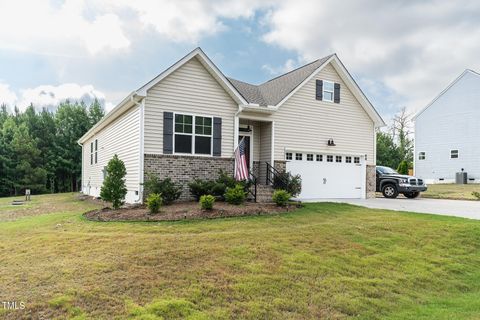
[(39, 150), (395, 144)]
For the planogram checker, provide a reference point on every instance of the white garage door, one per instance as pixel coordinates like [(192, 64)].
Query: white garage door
[(328, 175)]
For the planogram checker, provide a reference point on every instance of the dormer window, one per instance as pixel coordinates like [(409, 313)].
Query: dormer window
[(327, 91)]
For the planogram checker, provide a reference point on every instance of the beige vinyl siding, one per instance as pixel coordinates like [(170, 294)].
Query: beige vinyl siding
[(121, 137), (191, 89), (304, 123), (266, 147)]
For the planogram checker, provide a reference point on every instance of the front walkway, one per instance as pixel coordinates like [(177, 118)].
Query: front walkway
[(455, 208)]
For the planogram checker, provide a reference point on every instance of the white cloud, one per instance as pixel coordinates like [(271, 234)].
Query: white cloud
[(48, 96), (413, 48), (289, 65), (41, 26), (189, 20), (7, 96)]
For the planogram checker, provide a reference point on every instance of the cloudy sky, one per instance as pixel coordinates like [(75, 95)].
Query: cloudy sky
[(402, 53)]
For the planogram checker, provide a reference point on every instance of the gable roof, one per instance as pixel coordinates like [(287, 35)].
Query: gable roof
[(208, 64), (278, 90), (273, 91), (445, 90)]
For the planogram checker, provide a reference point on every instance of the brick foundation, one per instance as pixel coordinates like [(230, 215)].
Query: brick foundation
[(371, 181), (183, 169)]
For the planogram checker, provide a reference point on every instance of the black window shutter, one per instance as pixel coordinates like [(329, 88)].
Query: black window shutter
[(336, 93), (217, 137), (319, 89), (168, 132)]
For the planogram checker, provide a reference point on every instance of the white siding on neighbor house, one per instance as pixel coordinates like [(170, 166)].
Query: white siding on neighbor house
[(121, 137), (452, 122), (304, 123), (191, 89)]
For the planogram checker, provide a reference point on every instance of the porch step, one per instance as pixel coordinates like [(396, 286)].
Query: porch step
[(264, 193)]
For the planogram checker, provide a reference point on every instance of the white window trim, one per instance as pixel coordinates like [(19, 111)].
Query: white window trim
[(193, 134), (458, 154), (324, 90), (424, 155), (95, 152), (91, 153)]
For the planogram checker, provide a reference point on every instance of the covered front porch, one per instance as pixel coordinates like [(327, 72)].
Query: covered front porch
[(258, 135)]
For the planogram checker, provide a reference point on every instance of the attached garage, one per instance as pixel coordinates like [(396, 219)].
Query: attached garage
[(328, 175)]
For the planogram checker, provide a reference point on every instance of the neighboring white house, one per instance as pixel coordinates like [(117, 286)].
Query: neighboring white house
[(447, 132), (186, 123)]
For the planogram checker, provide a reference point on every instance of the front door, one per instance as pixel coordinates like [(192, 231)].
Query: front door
[(247, 149)]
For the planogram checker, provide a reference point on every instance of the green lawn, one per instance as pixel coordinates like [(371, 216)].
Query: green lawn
[(451, 191), (329, 261)]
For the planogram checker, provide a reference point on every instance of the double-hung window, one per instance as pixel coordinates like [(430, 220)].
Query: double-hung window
[(96, 151), (327, 94), (421, 155), (91, 153), (193, 134), (453, 154)]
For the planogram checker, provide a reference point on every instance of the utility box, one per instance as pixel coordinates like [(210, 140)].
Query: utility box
[(461, 178)]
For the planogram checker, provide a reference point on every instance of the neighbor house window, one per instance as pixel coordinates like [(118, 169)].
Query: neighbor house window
[(329, 158), (356, 160), (319, 157), (338, 159), (453, 154), (91, 152), (288, 156), (298, 156), (327, 91), (193, 134), (348, 159), (309, 157), (421, 155), (96, 151)]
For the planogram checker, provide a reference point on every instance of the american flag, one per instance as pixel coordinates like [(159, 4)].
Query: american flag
[(241, 170)]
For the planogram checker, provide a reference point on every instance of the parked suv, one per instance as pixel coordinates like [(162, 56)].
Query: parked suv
[(390, 183)]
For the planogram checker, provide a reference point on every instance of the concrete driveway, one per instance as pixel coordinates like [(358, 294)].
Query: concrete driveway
[(455, 208)]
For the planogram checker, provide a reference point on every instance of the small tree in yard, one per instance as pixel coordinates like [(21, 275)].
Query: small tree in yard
[(113, 188)]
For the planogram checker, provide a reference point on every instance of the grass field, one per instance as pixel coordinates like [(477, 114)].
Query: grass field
[(451, 191), (328, 261)]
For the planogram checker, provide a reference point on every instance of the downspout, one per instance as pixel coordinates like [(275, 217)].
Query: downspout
[(141, 107)]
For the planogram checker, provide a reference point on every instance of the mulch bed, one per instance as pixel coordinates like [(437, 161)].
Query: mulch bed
[(187, 211)]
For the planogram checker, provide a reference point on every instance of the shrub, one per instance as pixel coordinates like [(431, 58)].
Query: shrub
[(199, 187), (217, 188), (207, 201), (476, 194), (113, 188), (403, 167), (281, 197), (236, 195), (289, 183), (167, 188), (154, 202)]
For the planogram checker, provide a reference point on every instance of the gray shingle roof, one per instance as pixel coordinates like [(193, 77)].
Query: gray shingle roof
[(275, 90)]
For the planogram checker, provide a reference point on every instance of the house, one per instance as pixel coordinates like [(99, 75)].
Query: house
[(447, 132), (186, 123)]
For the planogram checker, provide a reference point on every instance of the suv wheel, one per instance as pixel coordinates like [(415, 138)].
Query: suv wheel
[(411, 195), (390, 191)]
